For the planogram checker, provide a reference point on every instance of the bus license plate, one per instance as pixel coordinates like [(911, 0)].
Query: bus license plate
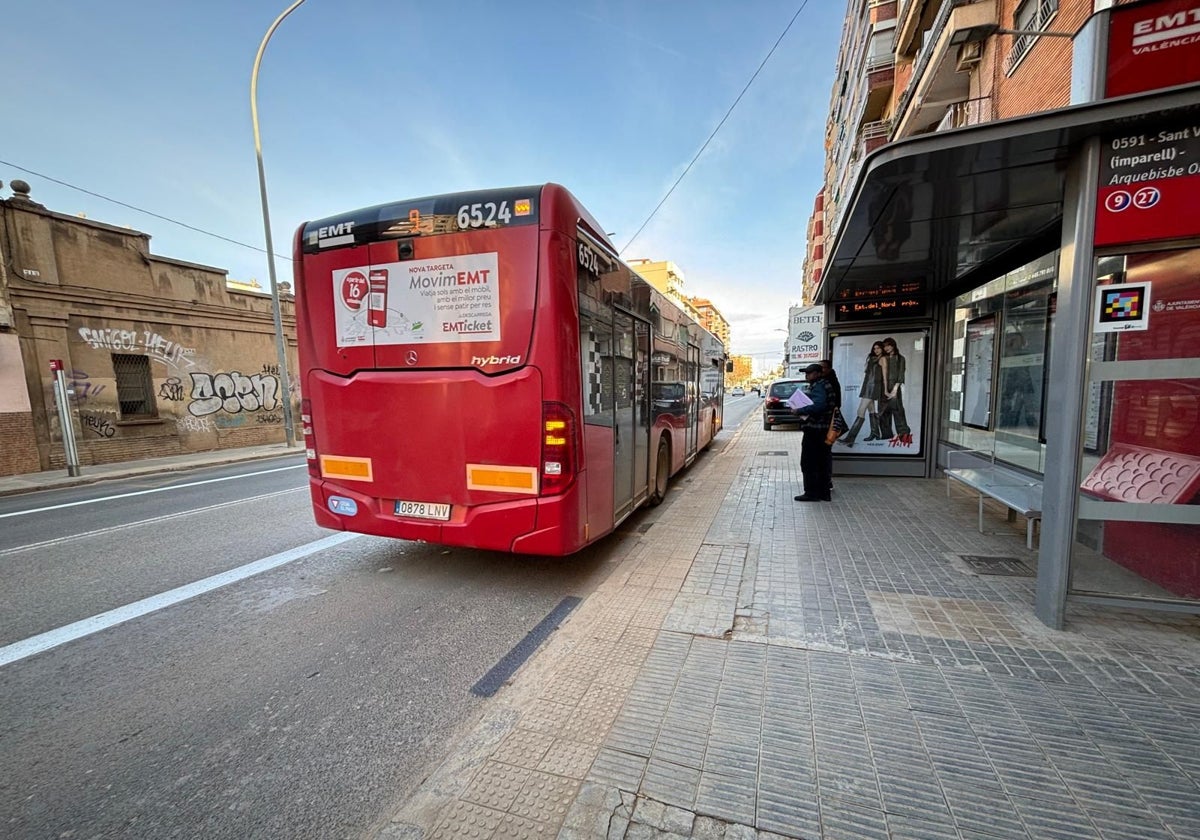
[(423, 510)]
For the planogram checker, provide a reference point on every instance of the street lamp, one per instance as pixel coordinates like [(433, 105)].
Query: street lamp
[(280, 350)]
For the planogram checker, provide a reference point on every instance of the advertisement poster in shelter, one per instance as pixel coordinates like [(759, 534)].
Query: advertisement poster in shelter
[(883, 391)]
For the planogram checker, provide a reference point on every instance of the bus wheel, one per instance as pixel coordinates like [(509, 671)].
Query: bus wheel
[(662, 473)]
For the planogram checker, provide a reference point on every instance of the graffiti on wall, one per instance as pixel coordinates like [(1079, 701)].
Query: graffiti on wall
[(144, 342), (233, 392), (81, 387), (189, 424), (97, 424), (214, 400), (171, 390)]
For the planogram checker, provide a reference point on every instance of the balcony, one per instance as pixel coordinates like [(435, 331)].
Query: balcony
[(939, 76), (880, 69), (968, 112), (912, 18), (872, 136)]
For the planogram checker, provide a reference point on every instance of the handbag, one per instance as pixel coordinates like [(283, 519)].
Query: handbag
[(837, 427)]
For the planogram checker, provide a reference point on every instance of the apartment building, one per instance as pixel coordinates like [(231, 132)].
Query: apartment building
[(711, 319), (911, 67), (1007, 237), (665, 276)]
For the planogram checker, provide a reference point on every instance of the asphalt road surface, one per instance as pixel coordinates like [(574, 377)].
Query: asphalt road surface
[(301, 701)]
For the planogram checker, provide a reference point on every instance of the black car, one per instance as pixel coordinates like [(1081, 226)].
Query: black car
[(775, 409)]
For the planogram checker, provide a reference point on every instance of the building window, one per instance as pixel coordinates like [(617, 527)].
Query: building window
[(135, 388), (1031, 16)]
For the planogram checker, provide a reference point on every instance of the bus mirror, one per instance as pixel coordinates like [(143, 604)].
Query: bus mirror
[(729, 367)]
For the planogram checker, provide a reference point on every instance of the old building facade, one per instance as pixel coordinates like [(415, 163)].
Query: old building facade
[(160, 357)]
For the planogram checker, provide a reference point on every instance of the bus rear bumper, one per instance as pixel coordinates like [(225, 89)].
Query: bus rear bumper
[(525, 526)]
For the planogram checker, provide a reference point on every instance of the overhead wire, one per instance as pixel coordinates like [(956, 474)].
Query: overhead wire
[(688, 168), (140, 210), (632, 239)]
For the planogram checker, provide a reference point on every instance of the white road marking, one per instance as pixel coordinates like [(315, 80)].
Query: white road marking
[(152, 521), (53, 638), (145, 492)]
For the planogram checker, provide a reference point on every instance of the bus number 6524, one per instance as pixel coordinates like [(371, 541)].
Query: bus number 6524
[(483, 215)]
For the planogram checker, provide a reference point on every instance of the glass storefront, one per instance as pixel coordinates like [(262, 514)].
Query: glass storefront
[(995, 393), (1138, 530)]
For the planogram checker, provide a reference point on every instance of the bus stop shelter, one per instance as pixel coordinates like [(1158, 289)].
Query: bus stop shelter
[(953, 208)]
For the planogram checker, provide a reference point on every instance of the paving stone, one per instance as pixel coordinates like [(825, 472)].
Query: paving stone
[(568, 758), (671, 783), (545, 798), (524, 748), (467, 821), (707, 828), (496, 785), (649, 812), (731, 799)]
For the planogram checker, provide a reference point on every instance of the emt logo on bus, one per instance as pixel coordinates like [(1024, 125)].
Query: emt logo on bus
[(326, 237)]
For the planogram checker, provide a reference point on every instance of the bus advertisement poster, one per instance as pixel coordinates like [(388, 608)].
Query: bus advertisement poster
[(453, 299)]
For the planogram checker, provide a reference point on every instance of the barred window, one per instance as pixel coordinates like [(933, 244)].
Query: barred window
[(135, 388), (1031, 15)]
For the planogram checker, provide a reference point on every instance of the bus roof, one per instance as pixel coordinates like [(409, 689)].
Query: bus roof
[(549, 205)]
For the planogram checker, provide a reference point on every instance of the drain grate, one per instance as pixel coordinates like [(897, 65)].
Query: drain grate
[(987, 565), (772, 452), (644, 527)]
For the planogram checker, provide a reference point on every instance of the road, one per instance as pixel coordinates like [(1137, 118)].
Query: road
[(156, 681), (300, 702)]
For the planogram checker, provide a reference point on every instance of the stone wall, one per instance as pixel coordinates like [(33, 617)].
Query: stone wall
[(160, 357)]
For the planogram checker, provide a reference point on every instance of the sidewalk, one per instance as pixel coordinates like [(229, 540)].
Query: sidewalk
[(53, 479), (761, 668)]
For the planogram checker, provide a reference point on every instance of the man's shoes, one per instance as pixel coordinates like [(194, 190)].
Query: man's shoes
[(808, 498)]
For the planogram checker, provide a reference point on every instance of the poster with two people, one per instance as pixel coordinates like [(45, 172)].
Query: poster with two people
[(883, 389)]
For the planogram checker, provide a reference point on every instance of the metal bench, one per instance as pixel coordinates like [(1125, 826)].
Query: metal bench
[(1019, 492)]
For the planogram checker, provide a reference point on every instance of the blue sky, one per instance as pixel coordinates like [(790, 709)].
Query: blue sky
[(362, 102)]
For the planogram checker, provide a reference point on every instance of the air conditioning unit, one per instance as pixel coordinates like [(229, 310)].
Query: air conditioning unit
[(969, 55)]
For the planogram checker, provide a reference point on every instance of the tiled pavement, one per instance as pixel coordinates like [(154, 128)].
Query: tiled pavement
[(758, 668)]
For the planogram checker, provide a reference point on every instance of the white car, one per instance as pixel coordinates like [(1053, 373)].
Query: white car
[(738, 391)]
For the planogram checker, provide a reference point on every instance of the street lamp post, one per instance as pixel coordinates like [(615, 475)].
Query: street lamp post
[(280, 349)]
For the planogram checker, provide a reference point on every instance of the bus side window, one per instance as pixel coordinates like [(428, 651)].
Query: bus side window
[(596, 362)]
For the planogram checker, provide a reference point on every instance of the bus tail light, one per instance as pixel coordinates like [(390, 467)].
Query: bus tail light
[(310, 438), (558, 448)]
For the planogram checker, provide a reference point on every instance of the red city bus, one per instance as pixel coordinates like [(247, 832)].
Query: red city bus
[(481, 369)]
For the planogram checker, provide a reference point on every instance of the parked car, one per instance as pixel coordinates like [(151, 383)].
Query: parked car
[(738, 391), (775, 409)]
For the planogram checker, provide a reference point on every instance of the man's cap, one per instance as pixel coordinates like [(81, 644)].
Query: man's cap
[(814, 368)]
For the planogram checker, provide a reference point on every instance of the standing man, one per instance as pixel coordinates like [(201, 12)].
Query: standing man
[(815, 454)]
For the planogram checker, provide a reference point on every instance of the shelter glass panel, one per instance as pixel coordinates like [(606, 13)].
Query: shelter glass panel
[(1138, 529)]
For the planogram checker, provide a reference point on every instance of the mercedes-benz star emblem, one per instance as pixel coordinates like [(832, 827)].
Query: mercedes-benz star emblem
[(411, 358)]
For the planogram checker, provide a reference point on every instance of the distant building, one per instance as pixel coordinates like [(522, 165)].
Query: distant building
[(250, 285), (743, 369), (711, 319), (665, 276), (161, 356)]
